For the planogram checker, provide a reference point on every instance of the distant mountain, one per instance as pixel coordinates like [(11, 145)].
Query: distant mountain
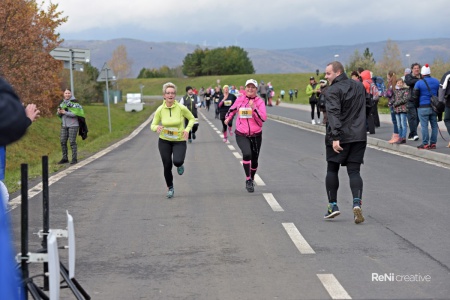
[(300, 60)]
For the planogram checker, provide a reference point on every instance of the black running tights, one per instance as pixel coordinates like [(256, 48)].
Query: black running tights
[(167, 149), (332, 180), (313, 107)]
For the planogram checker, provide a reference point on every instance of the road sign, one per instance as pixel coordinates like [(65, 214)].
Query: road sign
[(106, 74), (69, 54), (75, 66)]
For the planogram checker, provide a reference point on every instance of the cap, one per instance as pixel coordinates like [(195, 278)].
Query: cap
[(407, 71), (323, 81), (188, 88), (425, 70), (251, 81)]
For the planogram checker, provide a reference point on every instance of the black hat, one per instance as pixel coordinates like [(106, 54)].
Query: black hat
[(188, 88), (312, 78)]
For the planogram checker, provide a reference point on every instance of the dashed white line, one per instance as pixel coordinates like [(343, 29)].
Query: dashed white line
[(333, 287), (237, 155), (296, 237), (272, 202), (231, 147), (259, 181)]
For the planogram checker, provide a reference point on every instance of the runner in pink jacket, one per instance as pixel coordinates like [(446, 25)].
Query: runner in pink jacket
[(251, 112)]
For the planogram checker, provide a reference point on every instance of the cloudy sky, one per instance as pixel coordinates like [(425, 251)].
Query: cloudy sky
[(275, 24)]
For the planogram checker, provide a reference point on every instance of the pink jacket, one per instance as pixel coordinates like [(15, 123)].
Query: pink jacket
[(249, 122)]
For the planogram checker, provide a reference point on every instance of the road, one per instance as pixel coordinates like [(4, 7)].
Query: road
[(214, 240)]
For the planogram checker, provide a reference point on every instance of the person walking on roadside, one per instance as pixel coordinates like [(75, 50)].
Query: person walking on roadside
[(190, 100), (168, 121), (226, 101), (413, 119), (345, 137), (69, 110), (313, 92), (444, 96), (422, 92), (251, 115)]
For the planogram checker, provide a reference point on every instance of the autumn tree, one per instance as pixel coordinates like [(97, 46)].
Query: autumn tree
[(120, 64), (391, 61), (365, 61), (27, 35)]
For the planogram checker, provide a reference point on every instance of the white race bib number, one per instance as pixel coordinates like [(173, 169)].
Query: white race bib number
[(227, 102), (245, 113), (170, 133)]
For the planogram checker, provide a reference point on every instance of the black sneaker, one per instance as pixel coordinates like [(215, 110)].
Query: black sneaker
[(333, 211), (249, 186), (74, 161), (193, 135), (357, 211), (63, 161)]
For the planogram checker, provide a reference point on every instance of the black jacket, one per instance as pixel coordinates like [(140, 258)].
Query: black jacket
[(411, 82), (346, 111), (13, 120)]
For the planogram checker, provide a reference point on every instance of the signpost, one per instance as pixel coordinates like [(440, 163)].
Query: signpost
[(73, 58), (107, 74)]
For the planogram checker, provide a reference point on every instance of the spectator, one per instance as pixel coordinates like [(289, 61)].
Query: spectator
[(422, 92), (296, 93), (444, 95), (400, 99), (262, 91), (389, 94), (355, 76), (367, 80), (322, 100), (291, 95), (282, 92), (413, 120), (313, 92), (270, 93), (406, 72)]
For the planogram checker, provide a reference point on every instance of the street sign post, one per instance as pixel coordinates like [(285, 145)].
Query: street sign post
[(73, 58), (106, 74)]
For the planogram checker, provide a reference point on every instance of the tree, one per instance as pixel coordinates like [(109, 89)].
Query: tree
[(27, 35), (119, 63), (364, 61), (391, 60)]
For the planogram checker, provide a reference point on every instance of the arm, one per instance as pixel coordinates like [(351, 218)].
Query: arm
[(156, 120), (309, 90), (333, 104), (13, 119)]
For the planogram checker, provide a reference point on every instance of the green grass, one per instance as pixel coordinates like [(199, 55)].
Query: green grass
[(42, 139)]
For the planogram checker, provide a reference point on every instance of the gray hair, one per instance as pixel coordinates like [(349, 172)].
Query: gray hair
[(169, 85)]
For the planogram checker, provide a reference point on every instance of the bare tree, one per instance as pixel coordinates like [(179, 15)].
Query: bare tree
[(391, 61), (119, 63)]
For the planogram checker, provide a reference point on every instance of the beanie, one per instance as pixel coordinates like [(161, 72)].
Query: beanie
[(425, 70), (188, 88)]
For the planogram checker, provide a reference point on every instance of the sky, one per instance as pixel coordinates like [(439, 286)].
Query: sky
[(262, 24)]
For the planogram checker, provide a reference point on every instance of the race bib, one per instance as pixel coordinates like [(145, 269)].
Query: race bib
[(170, 133), (245, 113), (227, 102)]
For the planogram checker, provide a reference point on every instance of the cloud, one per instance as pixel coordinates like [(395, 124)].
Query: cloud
[(290, 23)]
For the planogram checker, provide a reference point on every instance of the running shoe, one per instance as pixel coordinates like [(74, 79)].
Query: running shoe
[(193, 135), (225, 140), (180, 170), (357, 211), (189, 141), (249, 186), (333, 211), (432, 146), (423, 146), (230, 131), (416, 138), (170, 193)]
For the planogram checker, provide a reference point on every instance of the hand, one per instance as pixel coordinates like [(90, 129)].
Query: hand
[(159, 128), (185, 135), (337, 147), (226, 121), (32, 112), (251, 104)]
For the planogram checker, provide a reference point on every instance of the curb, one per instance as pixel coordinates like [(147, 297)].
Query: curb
[(406, 149)]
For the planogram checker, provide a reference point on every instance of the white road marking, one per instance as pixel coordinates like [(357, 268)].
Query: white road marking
[(259, 181), (219, 132), (231, 147), (333, 287), (237, 155), (296, 237), (14, 203), (272, 202)]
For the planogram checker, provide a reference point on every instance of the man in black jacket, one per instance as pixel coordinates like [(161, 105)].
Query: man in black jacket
[(413, 117), (345, 137)]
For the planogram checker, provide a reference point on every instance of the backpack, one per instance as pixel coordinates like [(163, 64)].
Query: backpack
[(379, 81), (374, 92)]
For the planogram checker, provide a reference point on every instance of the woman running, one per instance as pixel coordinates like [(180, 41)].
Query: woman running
[(251, 112), (169, 123), (226, 101)]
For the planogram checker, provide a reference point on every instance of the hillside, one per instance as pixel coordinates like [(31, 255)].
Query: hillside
[(298, 60)]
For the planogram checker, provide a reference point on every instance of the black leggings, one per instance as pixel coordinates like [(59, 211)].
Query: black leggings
[(166, 150), (313, 106), (332, 180), (250, 147), (224, 126)]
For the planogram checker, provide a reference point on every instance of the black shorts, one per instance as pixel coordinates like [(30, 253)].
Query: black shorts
[(353, 152)]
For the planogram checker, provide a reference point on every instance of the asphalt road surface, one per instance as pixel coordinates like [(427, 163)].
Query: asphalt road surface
[(214, 240)]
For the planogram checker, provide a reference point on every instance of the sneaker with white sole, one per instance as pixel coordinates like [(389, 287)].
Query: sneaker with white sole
[(357, 211), (333, 211), (170, 193), (249, 186), (313, 122)]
